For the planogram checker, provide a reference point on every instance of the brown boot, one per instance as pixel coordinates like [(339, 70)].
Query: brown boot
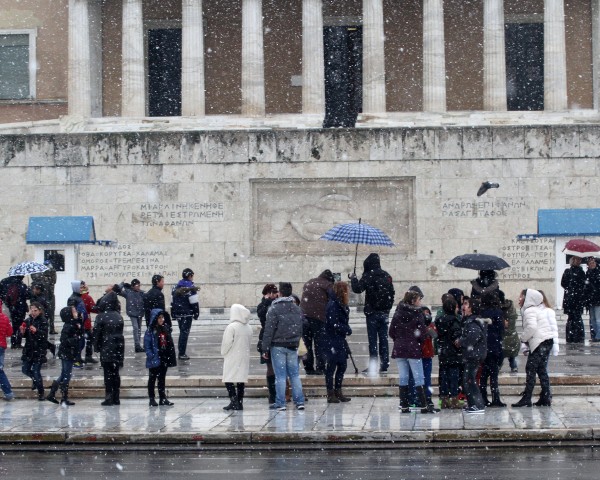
[(445, 403), (455, 403), (340, 396), (332, 397)]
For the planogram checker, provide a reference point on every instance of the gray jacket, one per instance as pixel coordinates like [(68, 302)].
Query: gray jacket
[(283, 327), (134, 301)]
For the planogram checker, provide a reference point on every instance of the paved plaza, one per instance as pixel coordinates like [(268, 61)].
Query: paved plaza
[(372, 416)]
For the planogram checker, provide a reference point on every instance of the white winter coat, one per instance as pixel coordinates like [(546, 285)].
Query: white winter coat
[(536, 325), (554, 326), (235, 347)]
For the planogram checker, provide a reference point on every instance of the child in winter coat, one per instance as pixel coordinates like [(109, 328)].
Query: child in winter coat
[(6, 330), (35, 332), (160, 355), (235, 349)]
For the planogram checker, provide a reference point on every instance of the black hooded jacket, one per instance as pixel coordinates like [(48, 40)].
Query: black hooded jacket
[(108, 331), (377, 284)]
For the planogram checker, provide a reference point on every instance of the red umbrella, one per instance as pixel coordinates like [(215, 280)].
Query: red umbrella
[(581, 248)]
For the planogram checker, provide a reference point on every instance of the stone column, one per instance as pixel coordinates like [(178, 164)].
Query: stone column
[(434, 61), (253, 63), (373, 57), (313, 58), (133, 87), (596, 52), (555, 56), (79, 81), (494, 56), (192, 59)]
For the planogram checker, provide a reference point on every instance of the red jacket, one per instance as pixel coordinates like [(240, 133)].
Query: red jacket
[(6, 329)]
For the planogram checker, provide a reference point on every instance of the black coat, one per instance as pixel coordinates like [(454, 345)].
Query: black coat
[(153, 298), (108, 331), (573, 281), (593, 286), (14, 293), (36, 343), (70, 336), (449, 328), (336, 330), (495, 330), (370, 282), (261, 311), (473, 341)]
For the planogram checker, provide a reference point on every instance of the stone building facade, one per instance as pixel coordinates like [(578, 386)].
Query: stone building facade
[(236, 177)]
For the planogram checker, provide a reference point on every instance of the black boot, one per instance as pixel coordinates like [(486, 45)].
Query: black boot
[(240, 396), (496, 402), (165, 401), (483, 391), (52, 395), (272, 390), (65, 397), (425, 408), (404, 406), (153, 402), (116, 391), (545, 399), (40, 390), (232, 397), (108, 397), (524, 402)]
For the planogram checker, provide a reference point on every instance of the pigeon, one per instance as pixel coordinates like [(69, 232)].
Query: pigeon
[(485, 186)]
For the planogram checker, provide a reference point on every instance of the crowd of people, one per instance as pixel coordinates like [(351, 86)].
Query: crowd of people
[(471, 335)]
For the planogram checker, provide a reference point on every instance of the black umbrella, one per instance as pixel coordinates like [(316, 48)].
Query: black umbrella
[(479, 261)]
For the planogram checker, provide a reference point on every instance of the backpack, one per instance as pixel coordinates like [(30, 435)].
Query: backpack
[(383, 293), (13, 293)]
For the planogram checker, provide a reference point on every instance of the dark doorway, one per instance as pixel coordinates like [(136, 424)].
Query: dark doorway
[(525, 66), (343, 75), (164, 72)]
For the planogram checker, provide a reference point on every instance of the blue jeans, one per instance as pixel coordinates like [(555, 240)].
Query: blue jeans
[(185, 325), (377, 331), (407, 365), (285, 364), (65, 373), (4, 383), (33, 371), (427, 368), (594, 319), (136, 323)]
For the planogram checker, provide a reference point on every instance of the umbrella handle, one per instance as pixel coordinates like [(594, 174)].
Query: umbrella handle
[(356, 250)]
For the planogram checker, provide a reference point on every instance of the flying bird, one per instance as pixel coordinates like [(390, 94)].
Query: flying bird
[(485, 186)]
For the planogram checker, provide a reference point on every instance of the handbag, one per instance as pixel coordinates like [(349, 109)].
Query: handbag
[(302, 350)]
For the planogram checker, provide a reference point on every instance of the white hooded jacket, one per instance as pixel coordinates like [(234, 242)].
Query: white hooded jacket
[(536, 325), (235, 347)]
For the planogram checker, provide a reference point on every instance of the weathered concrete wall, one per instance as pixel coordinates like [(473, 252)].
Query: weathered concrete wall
[(243, 208)]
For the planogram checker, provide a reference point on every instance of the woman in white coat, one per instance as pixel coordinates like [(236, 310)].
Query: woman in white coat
[(539, 336), (235, 349)]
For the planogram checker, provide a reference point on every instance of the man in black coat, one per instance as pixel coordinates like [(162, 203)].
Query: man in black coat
[(154, 298), (379, 300), (593, 297), (573, 281), (14, 293)]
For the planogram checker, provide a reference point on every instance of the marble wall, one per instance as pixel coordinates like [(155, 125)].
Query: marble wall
[(243, 208)]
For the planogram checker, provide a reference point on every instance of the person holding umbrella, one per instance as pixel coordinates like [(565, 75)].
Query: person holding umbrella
[(573, 281), (379, 300)]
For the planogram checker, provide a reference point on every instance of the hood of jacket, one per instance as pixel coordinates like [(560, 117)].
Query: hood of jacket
[(109, 302), (76, 286), (153, 316), (410, 310), (533, 298), (372, 262), (239, 313)]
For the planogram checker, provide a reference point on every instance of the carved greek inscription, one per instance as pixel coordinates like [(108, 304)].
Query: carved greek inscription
[(498, 207), (529, 259), (179, 214)]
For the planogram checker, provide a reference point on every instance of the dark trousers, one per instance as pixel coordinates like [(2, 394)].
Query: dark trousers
[(470, 386), (235, 393), (313, 337), (185, 325), (490, 370), (33, 371), (334, 374), (112, 379), (537, 363), (575, 332), (377, 334), (159, 373), (16, 320), (449, 380)]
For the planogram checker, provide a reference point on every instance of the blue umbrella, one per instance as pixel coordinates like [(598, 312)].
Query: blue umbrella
[(357, 233)]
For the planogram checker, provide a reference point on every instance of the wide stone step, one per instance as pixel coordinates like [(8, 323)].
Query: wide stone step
[(314, 386)]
